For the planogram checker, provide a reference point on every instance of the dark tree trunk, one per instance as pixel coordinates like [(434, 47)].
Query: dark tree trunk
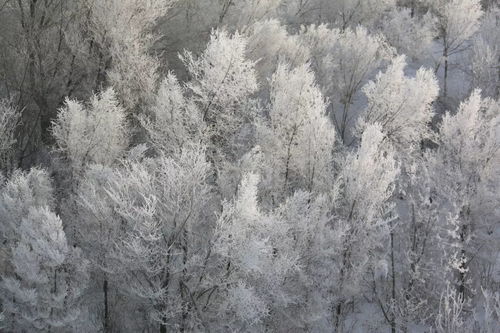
[(106, 306)]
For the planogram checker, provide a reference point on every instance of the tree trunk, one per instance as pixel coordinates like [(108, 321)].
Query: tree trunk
[(166, 282), (185, 308), (163, 328), (49, 328), (464, 229), (463, 264), (393, 319), (338, 312), (288, 157), (106, 305), (445, 88)]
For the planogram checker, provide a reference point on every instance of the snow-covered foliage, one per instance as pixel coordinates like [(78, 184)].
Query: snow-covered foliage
[(251, 242), (49, 276), (343, 60), (401, 105), (270, 44), (122, 29), (21, 192), (175, 120), (44, 277), (485, 57), (246, 12), (363, 213), (91, 134), (411, 36), (457, 21), (249, 166), (8, 122), (342, 14), (299, 138), (223, 79), (466, 178), (150, 210)]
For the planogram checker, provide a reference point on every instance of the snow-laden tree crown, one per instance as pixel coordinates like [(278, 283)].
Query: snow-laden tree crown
[(250, 166)]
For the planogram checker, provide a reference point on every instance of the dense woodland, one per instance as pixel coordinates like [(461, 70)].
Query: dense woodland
[(250, 166)]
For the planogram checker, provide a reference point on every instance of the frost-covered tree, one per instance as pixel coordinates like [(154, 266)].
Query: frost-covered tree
[(450, 317), (343, 62), (351, 13), (363, 214), (457, 21), (256, 260), (401, 105), (485, 64), (43, 277), (207, 191), (122, 29), (491, 312), (222, 78), (341, 14), (22, 191), (466, 178), (91, 134), (48, 279), (298, 138), (9, 117), (316, 240), (149, 222), (418, 279), (213, 105), (485, 55), (242, 13), (270, 44), (174, 121), (409, 34), (96, 233), (222, 81)]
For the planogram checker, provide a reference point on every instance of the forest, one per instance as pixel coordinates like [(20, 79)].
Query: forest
[(250, 166)]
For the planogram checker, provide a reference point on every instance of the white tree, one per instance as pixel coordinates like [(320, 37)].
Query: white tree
[(175, 120), (222, 79), (149, 225), (91, 134), (465, 173), (409, 34), (343, 62), (298, 140), (48, 279), (363, 214), (9, 117), (485, 64), (316, 241), (256, 260), (270, 44), (341, 14), (22, 191), (242, 13), (485, 55), (417, 248), (122, 29), (42, 276), (402, 105), (457, 21), (450, 317), (491, 311), (351, 13), (222, 82)]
